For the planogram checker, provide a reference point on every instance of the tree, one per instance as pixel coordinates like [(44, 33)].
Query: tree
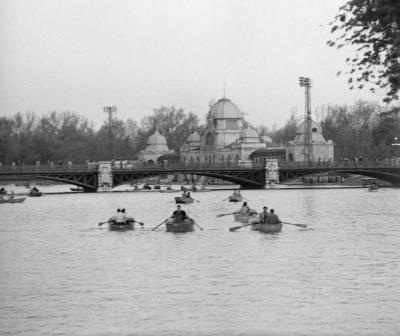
[(373, 27), (175, 124)]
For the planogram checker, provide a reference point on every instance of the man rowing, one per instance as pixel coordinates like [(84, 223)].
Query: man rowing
[(264, 215), (179, 214), (273, 218)]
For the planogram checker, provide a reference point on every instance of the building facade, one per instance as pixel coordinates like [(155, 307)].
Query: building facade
[(320, 149), (224, 140)]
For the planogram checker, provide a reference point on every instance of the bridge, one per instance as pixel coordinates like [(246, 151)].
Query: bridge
[(103, 176)]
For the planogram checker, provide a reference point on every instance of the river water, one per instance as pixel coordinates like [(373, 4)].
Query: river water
[(61, 274)]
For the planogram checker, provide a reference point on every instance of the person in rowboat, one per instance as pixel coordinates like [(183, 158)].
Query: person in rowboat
[(245, 209), (120, 218), (273, 218), (179, 214), (264, 215)]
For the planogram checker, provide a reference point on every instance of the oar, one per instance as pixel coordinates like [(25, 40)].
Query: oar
[(135, 221), (159, 225), (197, 225), (221, 215), (300, 225), (101, 223), (238, 227)]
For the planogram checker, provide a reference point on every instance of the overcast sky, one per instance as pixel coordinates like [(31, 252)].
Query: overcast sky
[(139, 55)]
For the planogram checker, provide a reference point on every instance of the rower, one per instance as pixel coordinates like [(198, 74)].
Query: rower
[(245, 209), (273, 218), (179, 214), (120, 218), (264, 215)]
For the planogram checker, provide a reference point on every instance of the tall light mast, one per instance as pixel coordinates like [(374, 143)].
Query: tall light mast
[(306, 83), (110, 110)]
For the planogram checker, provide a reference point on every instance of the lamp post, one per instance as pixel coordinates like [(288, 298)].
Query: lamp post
[(306, 83), (395, 145)]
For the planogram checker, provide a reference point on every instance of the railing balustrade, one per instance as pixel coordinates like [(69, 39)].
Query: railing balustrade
[(91, 167)]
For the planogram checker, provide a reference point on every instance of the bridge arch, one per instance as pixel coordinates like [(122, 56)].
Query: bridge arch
[(247, 180)]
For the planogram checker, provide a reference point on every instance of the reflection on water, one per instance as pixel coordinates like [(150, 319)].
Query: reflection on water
[(62, 274)]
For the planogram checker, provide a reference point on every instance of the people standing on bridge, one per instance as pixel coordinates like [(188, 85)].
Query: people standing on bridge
[(264, 215), (12, 194), (273, 218)]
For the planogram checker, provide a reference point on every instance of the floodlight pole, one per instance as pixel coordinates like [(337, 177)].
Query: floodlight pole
[(110, 110), (308, 153)]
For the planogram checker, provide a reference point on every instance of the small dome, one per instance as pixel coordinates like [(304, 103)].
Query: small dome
[(194, 137), (266, 139), (315, 127), (156, 139), (249, 132), (225, 109)]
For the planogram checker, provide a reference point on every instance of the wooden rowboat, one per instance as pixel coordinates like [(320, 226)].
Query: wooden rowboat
[(235, 198), (186, 225), (183, 200), (35, 193), (13, 200), (128, 225), (112, 226), (244, 218), (266, 228)]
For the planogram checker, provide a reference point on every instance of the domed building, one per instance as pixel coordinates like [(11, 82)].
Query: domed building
[(320, 149), (156, 146), (224, 140)]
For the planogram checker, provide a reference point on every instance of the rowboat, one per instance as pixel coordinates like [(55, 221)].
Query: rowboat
[(244, 218), (12, 200), (33, 193), (112, 226), (76, 189), (266, 228), (183, 200), (128, 225), (185, 225), (235, 198)]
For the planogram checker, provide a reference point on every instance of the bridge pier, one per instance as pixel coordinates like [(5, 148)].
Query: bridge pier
[(105, 176), (271, 173)]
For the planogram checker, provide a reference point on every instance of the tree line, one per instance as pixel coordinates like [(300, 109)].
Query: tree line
[(364, 129)]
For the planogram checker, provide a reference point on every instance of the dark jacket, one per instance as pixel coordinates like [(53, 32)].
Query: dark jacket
[(179, 214)]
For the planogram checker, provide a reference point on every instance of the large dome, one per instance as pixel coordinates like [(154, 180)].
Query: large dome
[(156, 139), (225, 109)]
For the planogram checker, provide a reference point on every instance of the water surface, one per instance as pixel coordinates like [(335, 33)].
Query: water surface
[(61, 274)]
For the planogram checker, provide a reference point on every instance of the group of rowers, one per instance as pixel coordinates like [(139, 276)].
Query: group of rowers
[(237, 193), (186, 194), (4, 192), (121, 218), (265, 217)]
